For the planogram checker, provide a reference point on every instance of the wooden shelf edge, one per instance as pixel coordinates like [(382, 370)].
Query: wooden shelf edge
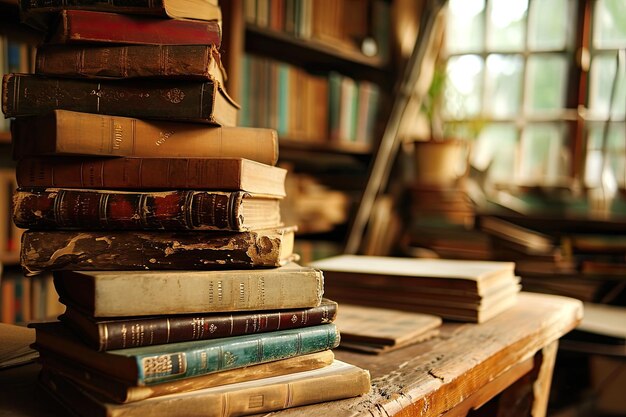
[(332, 147), (10, 258)]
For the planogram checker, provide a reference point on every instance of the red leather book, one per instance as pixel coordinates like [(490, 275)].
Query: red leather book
[(89, 26), (64, 208)]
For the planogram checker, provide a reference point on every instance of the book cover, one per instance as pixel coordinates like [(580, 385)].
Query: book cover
[(118, 391), (230, 174), (176, 100), (146, 293), (150, 365), (122, 333), (84, 26), (177, 9), (130, 61), (63, 132), (379, 330), (340, 380), (160, 250), (65, 208), (473, 276)]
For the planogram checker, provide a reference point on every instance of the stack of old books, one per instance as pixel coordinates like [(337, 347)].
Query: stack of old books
[(165, 237), (454, 289)]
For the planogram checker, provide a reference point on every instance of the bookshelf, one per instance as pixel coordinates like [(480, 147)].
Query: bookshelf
[(274, 45)]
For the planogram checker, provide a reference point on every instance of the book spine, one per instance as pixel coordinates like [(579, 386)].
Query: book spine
[(75, 133), (121, 334), (26, 94), (131, 61), (89, 26), (93, 209), (154, 6), (114, 250), (233, 353)]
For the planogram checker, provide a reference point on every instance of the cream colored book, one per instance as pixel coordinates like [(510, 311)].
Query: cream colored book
[(334, 382)]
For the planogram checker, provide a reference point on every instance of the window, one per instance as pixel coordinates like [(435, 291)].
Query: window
[(537, 77)]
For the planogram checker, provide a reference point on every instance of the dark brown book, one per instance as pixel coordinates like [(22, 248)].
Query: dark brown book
[(86, 26), (133, 250), (230, 174), (64, 132), (118, 391), (130, 61), (63, 208), (192, 101), (121, 333)]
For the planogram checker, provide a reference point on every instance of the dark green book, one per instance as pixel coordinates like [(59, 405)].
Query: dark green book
[(154, 364)]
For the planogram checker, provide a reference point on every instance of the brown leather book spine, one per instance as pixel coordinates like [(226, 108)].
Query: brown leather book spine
[(129, 250), (130, 61), (26, 95), (94, 209), (129, 173), (120, 334)]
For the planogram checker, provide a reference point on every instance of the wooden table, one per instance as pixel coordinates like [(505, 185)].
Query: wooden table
[(509, 359)]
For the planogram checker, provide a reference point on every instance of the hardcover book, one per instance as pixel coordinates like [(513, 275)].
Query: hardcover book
[(161, 250), (339, 380), (65, 208), (112, 389), (83, 26), (63, 132), (230, 174), (147, 293), (150, 365), (130, 61), (177, 9), (190, 101), (122, 333)]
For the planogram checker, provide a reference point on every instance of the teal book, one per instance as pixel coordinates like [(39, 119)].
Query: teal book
[(149, 365)]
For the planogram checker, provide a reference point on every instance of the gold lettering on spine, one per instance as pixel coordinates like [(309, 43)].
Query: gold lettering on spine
[(118, 136), (242, 293)]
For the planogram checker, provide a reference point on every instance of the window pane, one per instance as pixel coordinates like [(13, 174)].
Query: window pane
[(546, 83), (507, 24), (465, 27), (463, 88), (616, 152), (494, 152), (609, 24), (544, 158), (601, 76), (503, 89), (548, 24)]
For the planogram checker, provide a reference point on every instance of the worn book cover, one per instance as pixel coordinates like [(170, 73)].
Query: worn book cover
[(63, 132), (150, 365), (116, 250), (190, 101), (147, 293), (231, 174), (122, 333), (337, 381), (379, 330), (84, 26), (66, 208), (177, 9), (131, 61), (114, 390)]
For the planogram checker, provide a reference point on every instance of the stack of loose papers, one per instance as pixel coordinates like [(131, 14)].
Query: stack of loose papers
[(462, 290)]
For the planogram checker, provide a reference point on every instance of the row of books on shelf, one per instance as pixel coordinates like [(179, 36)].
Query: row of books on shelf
[(26, 299), (307, 106), (15, 56), (341, 23)]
